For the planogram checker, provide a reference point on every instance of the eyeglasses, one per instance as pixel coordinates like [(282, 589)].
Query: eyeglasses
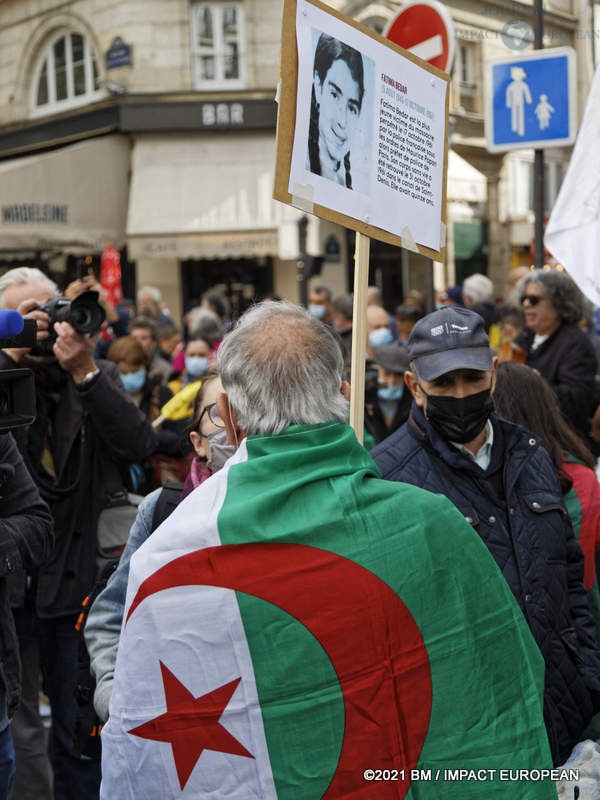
[(213, 415), (533, 299)]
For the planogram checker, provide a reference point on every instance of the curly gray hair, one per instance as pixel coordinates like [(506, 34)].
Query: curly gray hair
[(561, 290)]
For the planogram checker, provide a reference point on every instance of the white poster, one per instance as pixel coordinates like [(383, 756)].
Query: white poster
[(370, 130)]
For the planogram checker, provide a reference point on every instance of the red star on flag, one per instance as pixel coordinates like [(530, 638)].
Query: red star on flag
[(191, 724)]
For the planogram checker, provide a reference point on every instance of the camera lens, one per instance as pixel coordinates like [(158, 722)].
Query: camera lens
[(81, 317), (86, 314)]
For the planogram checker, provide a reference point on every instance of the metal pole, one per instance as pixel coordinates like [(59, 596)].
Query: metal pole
[(538, 166)]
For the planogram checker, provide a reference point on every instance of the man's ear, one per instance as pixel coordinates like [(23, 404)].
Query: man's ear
[(229, 417), (345, 390), (410, 379)]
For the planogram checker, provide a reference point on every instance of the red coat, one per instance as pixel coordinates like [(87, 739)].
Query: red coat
[(583, 505)]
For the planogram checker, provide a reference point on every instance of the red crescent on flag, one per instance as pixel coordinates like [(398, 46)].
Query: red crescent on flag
[(368, 633)]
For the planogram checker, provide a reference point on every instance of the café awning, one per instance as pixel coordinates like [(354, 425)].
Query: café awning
[(203, 197), (73, 199)]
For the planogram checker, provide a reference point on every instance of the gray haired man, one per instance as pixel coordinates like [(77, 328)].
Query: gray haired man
[(309, 651)]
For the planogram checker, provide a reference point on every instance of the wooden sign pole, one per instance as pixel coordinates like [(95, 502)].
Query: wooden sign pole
[(359, 335)]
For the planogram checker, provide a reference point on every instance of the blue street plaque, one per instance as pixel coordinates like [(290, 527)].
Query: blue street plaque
[(119, 54), (530, 100)]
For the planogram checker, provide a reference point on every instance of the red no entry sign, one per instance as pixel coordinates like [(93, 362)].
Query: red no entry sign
[(424, 27)]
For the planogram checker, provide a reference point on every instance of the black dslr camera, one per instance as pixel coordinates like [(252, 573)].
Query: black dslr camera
[(84, 313), (17, 386)]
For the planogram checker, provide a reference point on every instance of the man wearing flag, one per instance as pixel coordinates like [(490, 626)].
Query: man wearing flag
[(299, 628)]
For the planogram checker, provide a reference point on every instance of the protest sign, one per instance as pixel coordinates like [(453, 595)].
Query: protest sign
[(361, 141), (362, 130)]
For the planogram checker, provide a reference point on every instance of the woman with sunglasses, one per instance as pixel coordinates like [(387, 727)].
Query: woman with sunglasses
[(556, 346), (103, 626)]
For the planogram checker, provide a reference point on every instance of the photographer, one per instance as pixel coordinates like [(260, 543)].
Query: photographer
[(86, 432)]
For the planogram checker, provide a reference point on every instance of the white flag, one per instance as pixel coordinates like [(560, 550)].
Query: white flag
[(573, 231)]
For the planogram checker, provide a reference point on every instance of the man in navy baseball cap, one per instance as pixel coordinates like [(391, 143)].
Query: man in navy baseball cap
[(451, 338), (502, 480)]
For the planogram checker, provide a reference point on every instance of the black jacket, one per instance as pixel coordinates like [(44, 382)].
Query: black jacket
[(26, 537), (516, 507), (93, 434), (567, 360)]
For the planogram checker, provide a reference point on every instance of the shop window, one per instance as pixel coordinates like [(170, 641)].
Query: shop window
[(521, 178), (218, 45), (561, 5), (66, 75), (470, 248), (466, 70)]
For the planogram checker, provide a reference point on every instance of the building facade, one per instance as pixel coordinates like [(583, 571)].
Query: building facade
[(490, 212), (150, 125)]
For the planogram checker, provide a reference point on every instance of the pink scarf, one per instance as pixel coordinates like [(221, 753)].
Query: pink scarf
[(198, 473)]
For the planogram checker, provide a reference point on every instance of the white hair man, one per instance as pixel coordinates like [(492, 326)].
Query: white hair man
[(309, 648), (477, 289)]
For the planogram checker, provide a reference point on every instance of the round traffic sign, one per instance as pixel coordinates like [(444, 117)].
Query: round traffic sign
[(424, 28)]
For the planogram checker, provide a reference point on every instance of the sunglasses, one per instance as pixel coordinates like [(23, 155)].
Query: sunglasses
[(533, 299)]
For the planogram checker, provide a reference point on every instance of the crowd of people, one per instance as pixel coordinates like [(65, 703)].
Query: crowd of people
[(285, 611)]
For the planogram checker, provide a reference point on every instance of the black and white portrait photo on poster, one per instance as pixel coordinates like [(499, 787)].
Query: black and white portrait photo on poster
[(336, 129)]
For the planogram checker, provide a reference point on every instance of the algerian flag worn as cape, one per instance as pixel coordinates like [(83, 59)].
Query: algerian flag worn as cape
[(297, 621)]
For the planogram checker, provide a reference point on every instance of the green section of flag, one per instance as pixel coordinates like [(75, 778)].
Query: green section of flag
[(314, 486), (294, 679)]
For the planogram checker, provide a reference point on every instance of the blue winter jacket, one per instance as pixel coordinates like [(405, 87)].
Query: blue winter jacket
[(516, 507)]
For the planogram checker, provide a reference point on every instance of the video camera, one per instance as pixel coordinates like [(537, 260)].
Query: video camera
[(17, 386)]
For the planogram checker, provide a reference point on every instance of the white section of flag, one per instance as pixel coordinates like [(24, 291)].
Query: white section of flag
[(573, 231), (197, 632)]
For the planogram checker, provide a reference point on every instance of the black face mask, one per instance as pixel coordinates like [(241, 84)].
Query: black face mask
[(459, 419)]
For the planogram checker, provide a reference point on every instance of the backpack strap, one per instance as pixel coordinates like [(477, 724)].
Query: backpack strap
[(167, 501)]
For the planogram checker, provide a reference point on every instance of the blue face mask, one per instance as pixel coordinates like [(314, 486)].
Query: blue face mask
[(196, 365), (134, 381), (316, 311), (380, 337), (391, 392)]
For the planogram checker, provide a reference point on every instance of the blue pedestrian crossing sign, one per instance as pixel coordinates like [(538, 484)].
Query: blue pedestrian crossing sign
[(530, 100)]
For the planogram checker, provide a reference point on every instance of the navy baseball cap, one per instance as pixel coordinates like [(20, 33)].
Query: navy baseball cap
[(448, 339)]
